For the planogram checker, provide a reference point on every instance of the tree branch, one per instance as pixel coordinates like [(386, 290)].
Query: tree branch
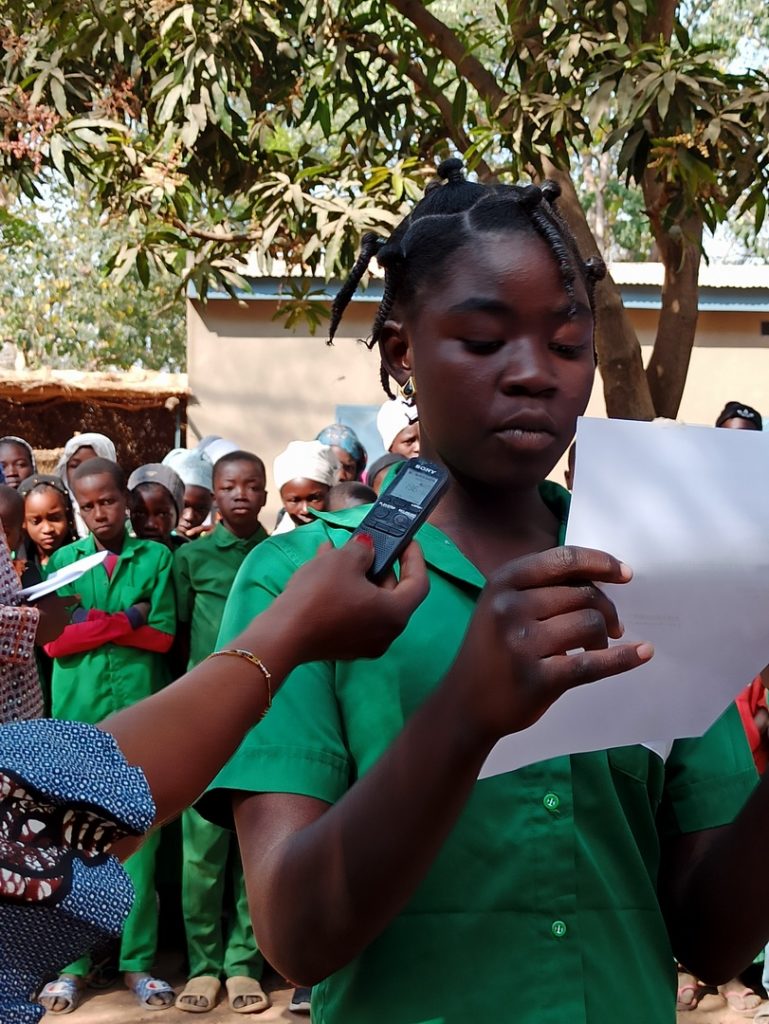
[(453, 49), (661, 21), (202, 234), (423, 85)]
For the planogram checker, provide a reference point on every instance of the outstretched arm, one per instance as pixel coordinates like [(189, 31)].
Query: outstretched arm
[(182, 735)]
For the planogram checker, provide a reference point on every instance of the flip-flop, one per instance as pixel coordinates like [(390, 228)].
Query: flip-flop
[(741, 994), (240, 986), (62, 988), (205, 987), (682, 1003), (145, 988)]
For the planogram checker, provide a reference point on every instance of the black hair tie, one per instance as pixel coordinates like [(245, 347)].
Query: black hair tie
[(595, 268), (551, 190), (452, 170), (529, 196)]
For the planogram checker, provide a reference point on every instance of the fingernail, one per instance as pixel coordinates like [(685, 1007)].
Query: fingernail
[(625, 571), (645, 652), (364, 538), (621, 628)]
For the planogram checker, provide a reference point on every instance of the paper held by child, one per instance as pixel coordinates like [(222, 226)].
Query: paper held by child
[(63, 576), (686, 508)]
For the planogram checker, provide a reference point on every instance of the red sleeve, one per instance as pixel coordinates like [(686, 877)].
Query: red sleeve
[(147, 638), (98, 629), (748, 702)]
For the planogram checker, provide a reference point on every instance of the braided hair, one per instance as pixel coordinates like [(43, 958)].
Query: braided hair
[(38, 483), (444, 220)]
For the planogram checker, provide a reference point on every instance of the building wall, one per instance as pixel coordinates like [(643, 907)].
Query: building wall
[(263, 386)]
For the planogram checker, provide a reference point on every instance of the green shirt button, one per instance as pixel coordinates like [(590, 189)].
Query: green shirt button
[(551, 801), (558, 928)]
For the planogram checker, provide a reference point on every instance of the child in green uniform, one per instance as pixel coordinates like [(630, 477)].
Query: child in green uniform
[(203, 572), (558, 892), (111, 656)]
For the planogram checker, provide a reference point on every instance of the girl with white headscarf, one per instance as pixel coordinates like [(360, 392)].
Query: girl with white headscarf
[(79, 449)]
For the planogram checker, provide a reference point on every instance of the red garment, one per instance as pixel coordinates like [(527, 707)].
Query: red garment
[(104, 628), (749, 701)]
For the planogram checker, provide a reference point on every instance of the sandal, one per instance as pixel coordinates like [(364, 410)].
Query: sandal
[(241, 987), (204, 990), (66, 988), (687, 997), (736, 999), (146, 987)]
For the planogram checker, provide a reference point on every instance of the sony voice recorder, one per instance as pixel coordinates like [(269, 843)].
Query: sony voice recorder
[(400, 510)]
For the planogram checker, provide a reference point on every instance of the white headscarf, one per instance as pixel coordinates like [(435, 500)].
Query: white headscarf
[(100, 443), (13, 439), (214, 448), (308, 460), (103, 447), (393, 417), (194, 468)]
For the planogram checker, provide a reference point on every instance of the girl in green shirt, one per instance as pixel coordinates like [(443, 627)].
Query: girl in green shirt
[(557, 892)]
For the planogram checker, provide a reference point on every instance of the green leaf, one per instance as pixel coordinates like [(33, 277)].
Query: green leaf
[(142, 267), (459, 103)]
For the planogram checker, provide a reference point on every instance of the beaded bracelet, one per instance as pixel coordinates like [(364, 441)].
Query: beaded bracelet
[(239, 652)]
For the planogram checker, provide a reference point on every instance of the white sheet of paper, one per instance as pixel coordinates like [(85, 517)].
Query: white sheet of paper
[(688, 509), (67, 574)]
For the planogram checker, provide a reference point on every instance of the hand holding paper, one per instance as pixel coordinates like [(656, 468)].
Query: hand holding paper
[(532, 611), (687, 508)]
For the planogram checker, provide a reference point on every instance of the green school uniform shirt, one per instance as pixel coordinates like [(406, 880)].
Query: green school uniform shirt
[(541, 907), (89, 686), (203, 573)]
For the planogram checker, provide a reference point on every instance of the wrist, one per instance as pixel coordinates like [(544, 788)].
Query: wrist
[(134, 616), (470, 738), (272, 638)]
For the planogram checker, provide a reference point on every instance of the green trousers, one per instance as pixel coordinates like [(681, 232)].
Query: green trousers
[(207, 850), (138, 943)]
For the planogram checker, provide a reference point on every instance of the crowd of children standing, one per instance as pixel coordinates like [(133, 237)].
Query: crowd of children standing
[(175, 534), (566, 888)]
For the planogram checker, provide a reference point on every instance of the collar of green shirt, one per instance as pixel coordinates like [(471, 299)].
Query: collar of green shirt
[(440, 551), (224, 538), (131, 545)]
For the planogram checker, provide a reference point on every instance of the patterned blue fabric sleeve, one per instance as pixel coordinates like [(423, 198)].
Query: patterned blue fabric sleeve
[(66, 795)]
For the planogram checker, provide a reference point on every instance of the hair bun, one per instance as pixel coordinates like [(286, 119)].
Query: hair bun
[(551, 190), (529, 196), (595, 268), (451, 170)]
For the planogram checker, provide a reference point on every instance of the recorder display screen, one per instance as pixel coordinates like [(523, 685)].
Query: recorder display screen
[(413, 487)]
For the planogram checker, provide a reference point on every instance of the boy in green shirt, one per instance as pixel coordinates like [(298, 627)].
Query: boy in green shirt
[(108, 658), (204, 571)]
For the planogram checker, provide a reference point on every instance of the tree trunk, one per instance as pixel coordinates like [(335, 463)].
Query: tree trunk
[(680, 249), (677, 325), (625, 384)]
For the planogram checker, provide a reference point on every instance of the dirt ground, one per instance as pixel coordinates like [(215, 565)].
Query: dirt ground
[(118, 1006)]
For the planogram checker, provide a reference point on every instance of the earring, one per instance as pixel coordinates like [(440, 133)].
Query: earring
[(408, 391)]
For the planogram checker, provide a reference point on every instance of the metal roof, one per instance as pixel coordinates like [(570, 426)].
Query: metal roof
[(733, 288)]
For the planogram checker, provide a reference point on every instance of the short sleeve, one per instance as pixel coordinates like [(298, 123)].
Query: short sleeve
[(299, 746), (708, 779), (185, 597)]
